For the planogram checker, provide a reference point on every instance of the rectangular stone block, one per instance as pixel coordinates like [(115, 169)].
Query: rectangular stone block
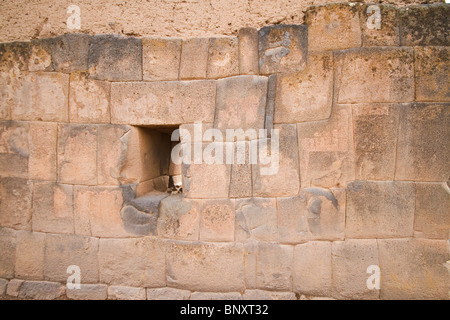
[(3, 285), (211, 267), (241, 171), (423, 146), (14, 287), (223, 59), (351, 259), (432, 218), (267, 295), (115, 58), (77, 154), (217, 220), (14, 149), (132, 262), (194, 58), (333, 27), (414, 269), (172, 102), (326, 150), (375, 136), (256, 218), (274, 267), (248, 51), (40, 56), (161, 59), (41, 290), (282, 48), (292, 220), (42, 144), (89, 100), (126, 293), (6, 92), (168, 294), (8, 250), (88, 292), (375, 75), (14, 56), (312, 269), (380, 209), (30, 255), (432, 71), (386, 32), (15, 207), (62, 251), (306, 95), (216, 296), (69, 52)]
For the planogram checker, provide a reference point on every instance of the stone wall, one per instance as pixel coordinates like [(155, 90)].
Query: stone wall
[(363, 178)]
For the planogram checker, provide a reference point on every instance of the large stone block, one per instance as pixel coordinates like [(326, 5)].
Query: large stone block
[(14, 56), (161, 59), (387, 33), (292, 220), (88, 292), (205, 266), (306, 95), (14, 149), (132, 262), (432, 71), (333, 27), (256, 218), (8, 250), (375, 135), (241, 171), (380, 209), (30, 255), (223, 60), (194, 58), (248, 51), (282, 48), (274, 267), (312, 269), (423, 146), (326, 150), (375, 75), (168, 294), (69, 52), (115, 58), (217, 220), (41, 290), (163, 103), (414, 269), (351, 259), (14, 287), (126, 293), (3, 285), (15, 206), (42, 143)]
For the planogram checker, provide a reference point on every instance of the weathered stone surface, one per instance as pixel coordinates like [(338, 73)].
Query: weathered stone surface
[(333, 27), (42, 146), (267, 295), (201, 266), (312, 268), (161, 59), (350, 260), (432, 69), (216, 296), (425, 25), (241, 171), (194, 58), (306, 95), (137, 222), (171, 103), (223, 58), (292, 220), (375, 134), (217, 220), (15, 206), (14, 149), (250, 260), (423, 146), (380, 209), (97, 212), (41, 290), (77, 154), (3, 285), (14, 287), (274, 267), (14, 56), (30, 255), (282, 48), (52, 208), (385, 34), (6, 92), (88, 292), (414, 269), (62, 251), (375, 75), (132, 262), (115, 58), (89, 100), (8, 250), (256, 218), (326, 150), (248, 51), (69, 52), (168, 294), (40, 56), (126, 293), (431, 211)]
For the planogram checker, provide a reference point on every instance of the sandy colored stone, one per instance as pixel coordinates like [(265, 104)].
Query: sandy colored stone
[(380, 209), (14, 287), (40, 56), (282, 48), (216, 296), (126, 293), (15, 207), (223, 60), (217, 220), (292, 220), (8, 249), (211, 267), (306, 95), (3, 286), (274, 267), (88, 292), (41, 290), (30, 255), (256, 218), (375, 75), (388, 33), (194, 58), (14, 149), (241, 171), (248, 51), (333, 27), (42, 144), (168, 294), (267, 295), (250, 261), (161, 59)]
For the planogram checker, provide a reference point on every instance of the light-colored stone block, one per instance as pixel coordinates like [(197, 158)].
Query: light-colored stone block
[(217, 220), (274, 267), (292, 220), (14, 287), (387, 33), (267, 295), (194, 58), (248, 51), (168, 294), (30, 255), (14, 149), (223, 60), (8, 249), (126, 293), (88, 292), (15, 207), (216, 296), (42, 143), (161, 59), (256, 218)]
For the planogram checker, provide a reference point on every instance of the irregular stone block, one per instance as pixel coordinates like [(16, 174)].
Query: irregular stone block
[(40, 56), (14, 56), (216, 296), (292, 220), (172, 102), (161, 59), (282, 48), (267, 295), (132, 262), (380, 209), (168, 294), (306, 95), (88, 292), (126, 293), (69, 52), (312, 269), (414, 269), (333, 27), (387, 32), (205, 266), (432, 69), (194, 58), (15, 207), (351, 259), (375, 75), (30, 255), (42, 143), (223, 60), (274, 267), (217, 220), (14, 287), (14, 149), (8, 250), (41, 290), (256, 218), (3, 285), (423, 145), (248, 51), (115, 58)]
